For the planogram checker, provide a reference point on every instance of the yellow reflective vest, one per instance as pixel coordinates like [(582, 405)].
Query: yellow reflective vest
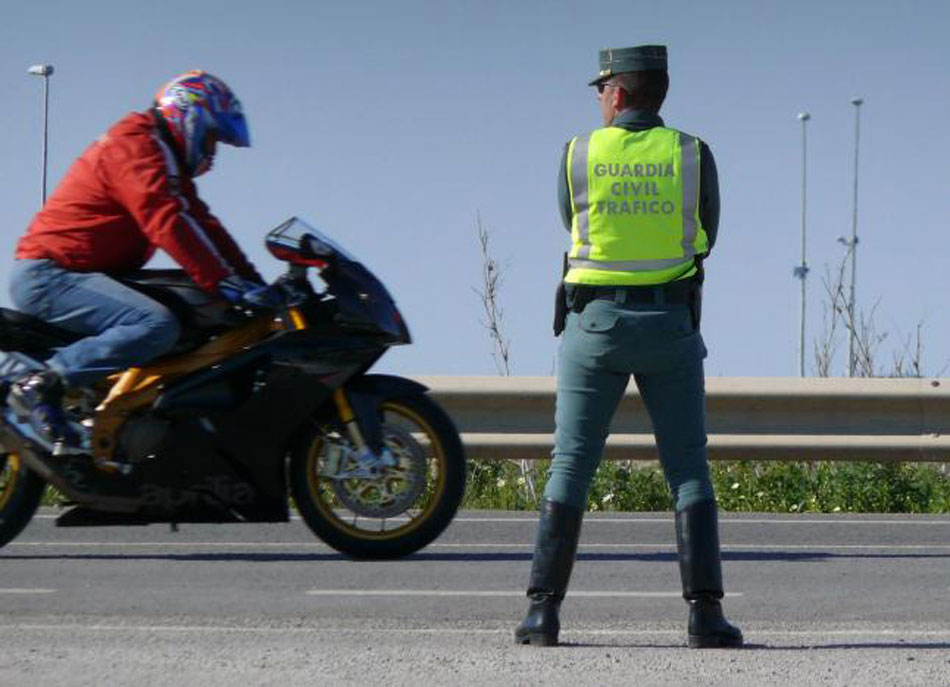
[(634, 206)]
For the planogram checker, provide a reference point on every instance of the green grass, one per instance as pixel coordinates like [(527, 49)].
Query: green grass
[(52, 497), (740, 486)]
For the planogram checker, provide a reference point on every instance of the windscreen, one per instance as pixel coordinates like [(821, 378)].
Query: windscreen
[(298, 236)]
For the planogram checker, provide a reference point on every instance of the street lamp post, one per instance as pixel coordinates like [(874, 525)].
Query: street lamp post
[(801, 271), (853, 245), (45, 71)]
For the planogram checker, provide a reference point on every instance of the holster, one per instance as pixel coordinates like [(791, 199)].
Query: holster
[(560, 302), (696, 295), (560, 309)]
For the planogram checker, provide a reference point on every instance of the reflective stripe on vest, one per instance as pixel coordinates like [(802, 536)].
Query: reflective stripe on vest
[(634, 201)]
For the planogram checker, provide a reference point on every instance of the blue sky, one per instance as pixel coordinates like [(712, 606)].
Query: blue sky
[(391, 124)]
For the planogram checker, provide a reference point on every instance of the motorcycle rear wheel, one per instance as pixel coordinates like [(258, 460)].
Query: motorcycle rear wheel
[(420, 435), (21, 491)]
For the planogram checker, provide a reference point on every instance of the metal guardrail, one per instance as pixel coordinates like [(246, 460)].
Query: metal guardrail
[(748, 418)]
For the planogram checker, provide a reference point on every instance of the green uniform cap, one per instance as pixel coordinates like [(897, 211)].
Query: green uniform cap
[(637, 59)]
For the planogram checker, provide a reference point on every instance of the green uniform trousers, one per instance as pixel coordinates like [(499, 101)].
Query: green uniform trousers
[(601, 347)]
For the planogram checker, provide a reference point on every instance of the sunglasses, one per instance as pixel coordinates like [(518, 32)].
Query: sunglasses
[(603, 84)]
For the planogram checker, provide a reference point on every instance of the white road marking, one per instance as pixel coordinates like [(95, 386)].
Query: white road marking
[(725, 547), (589, 519), (476, 593), (169, 544), (27, 591), (527, 546)]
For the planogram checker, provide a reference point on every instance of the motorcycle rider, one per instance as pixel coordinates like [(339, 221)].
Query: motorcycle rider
[(129, 194)]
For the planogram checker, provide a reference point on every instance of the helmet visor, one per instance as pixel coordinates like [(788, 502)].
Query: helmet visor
[(232, 129)]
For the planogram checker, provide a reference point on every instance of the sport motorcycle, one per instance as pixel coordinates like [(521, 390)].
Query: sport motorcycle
[(252, 410)]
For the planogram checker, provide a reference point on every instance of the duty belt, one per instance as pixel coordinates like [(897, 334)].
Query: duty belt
[(682, 292)]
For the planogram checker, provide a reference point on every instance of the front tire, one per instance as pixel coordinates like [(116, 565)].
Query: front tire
[(403, 510), (21, 490)]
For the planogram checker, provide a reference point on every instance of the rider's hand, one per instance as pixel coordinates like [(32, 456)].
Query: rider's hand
[(240, 291)]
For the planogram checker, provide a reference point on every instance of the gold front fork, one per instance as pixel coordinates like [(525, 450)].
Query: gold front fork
[(346, 413)]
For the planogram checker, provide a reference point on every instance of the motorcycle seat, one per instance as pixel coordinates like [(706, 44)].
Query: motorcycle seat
[(31, 335)]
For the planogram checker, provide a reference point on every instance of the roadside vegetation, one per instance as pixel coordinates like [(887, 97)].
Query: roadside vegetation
[(760, 486)]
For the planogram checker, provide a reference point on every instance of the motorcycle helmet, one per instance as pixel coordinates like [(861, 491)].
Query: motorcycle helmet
[(200, 110)]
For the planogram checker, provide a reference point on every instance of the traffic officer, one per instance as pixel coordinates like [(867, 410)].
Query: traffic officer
[(641, 201)]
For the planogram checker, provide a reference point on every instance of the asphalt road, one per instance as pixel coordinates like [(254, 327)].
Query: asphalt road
[(842, 600)]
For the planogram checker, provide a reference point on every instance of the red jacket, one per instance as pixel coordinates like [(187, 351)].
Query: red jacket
[(124, 198)]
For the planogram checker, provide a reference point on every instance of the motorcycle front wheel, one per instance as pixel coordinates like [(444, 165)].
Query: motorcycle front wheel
[(399, 510), (21, 490)]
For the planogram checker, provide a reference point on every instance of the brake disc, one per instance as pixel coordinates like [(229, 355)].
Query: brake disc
[(395, 488)]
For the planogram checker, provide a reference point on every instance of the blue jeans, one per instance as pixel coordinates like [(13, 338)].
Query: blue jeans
[(601, 348), (123, 327)]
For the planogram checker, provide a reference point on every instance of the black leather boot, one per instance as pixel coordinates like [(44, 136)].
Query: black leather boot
[(697, 540), (554, 551)]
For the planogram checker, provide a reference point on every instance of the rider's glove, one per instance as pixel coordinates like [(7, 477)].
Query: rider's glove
[(240, 291)]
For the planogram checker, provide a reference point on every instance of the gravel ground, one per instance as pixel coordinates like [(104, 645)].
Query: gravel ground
[(110, 652)]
